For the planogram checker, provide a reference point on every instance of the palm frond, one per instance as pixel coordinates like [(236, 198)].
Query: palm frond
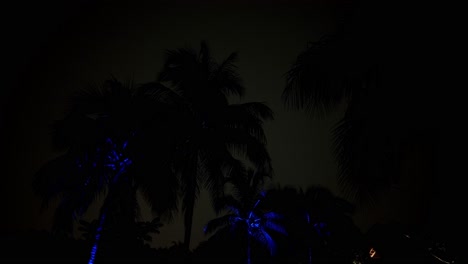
[(159, 185), (275, 227), (256, 181), (249, 147), (226, 78), (248, 117), (265, 239), (212, 175), (74, 130), (218, 223), (315, 82), (354, 182), (229, 202), (160, 93), (257, 109), (273, 216), (205, 60), (179, 67), (50, 181), (71, 207)]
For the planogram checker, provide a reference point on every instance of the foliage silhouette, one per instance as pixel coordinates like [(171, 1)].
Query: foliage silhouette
[(245, 216), (319, 224), (372, 65), (122, 242), (216, 130), (116, 139)]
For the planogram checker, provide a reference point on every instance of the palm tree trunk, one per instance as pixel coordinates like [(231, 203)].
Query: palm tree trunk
[(102, 219), (105, 207), (191, 187), (248, 249), (188, 219), (309, 239)]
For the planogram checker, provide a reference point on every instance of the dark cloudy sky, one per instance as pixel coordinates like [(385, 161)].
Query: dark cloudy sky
[(53, 49)]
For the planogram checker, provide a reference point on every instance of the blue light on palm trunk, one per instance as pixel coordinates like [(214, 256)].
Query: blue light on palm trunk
[(115, 162), (310, 246), (96, 241)]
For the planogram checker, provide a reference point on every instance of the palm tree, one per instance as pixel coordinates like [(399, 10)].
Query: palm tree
[(317, 221), (216, 131), (116, 139), (345, 68), (245, 215), (377, 66)]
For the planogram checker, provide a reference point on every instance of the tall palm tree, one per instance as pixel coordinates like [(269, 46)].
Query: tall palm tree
[(245, 216), (216, 131), (116, 139), (345, 68), (376, 64)]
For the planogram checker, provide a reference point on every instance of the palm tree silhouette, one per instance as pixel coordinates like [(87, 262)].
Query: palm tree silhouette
[(116, 139), (215, 129), (347, 68), (319, 223), (245, 215)]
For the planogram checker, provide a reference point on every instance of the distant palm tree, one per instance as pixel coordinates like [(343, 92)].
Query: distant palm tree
[(317, 220), (215, 131), (116, 140), (245, 215)]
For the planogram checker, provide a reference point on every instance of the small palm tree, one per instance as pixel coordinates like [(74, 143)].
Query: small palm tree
[(317, 219), (214, 129), (246, 217)]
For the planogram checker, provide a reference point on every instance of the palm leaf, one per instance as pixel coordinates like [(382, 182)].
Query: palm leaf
[(245, 117), (227, 79), (265, 239), (316, 82), (244, 144), (258, 109), (159, 93), (275, 227), (178, 67), (218, 223), (353, 181)]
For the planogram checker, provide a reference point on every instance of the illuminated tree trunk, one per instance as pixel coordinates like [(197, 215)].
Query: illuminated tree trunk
[(102, 219), (120, 166), (248, 249), (309, 250)]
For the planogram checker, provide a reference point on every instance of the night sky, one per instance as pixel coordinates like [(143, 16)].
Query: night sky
[(53, 49)]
